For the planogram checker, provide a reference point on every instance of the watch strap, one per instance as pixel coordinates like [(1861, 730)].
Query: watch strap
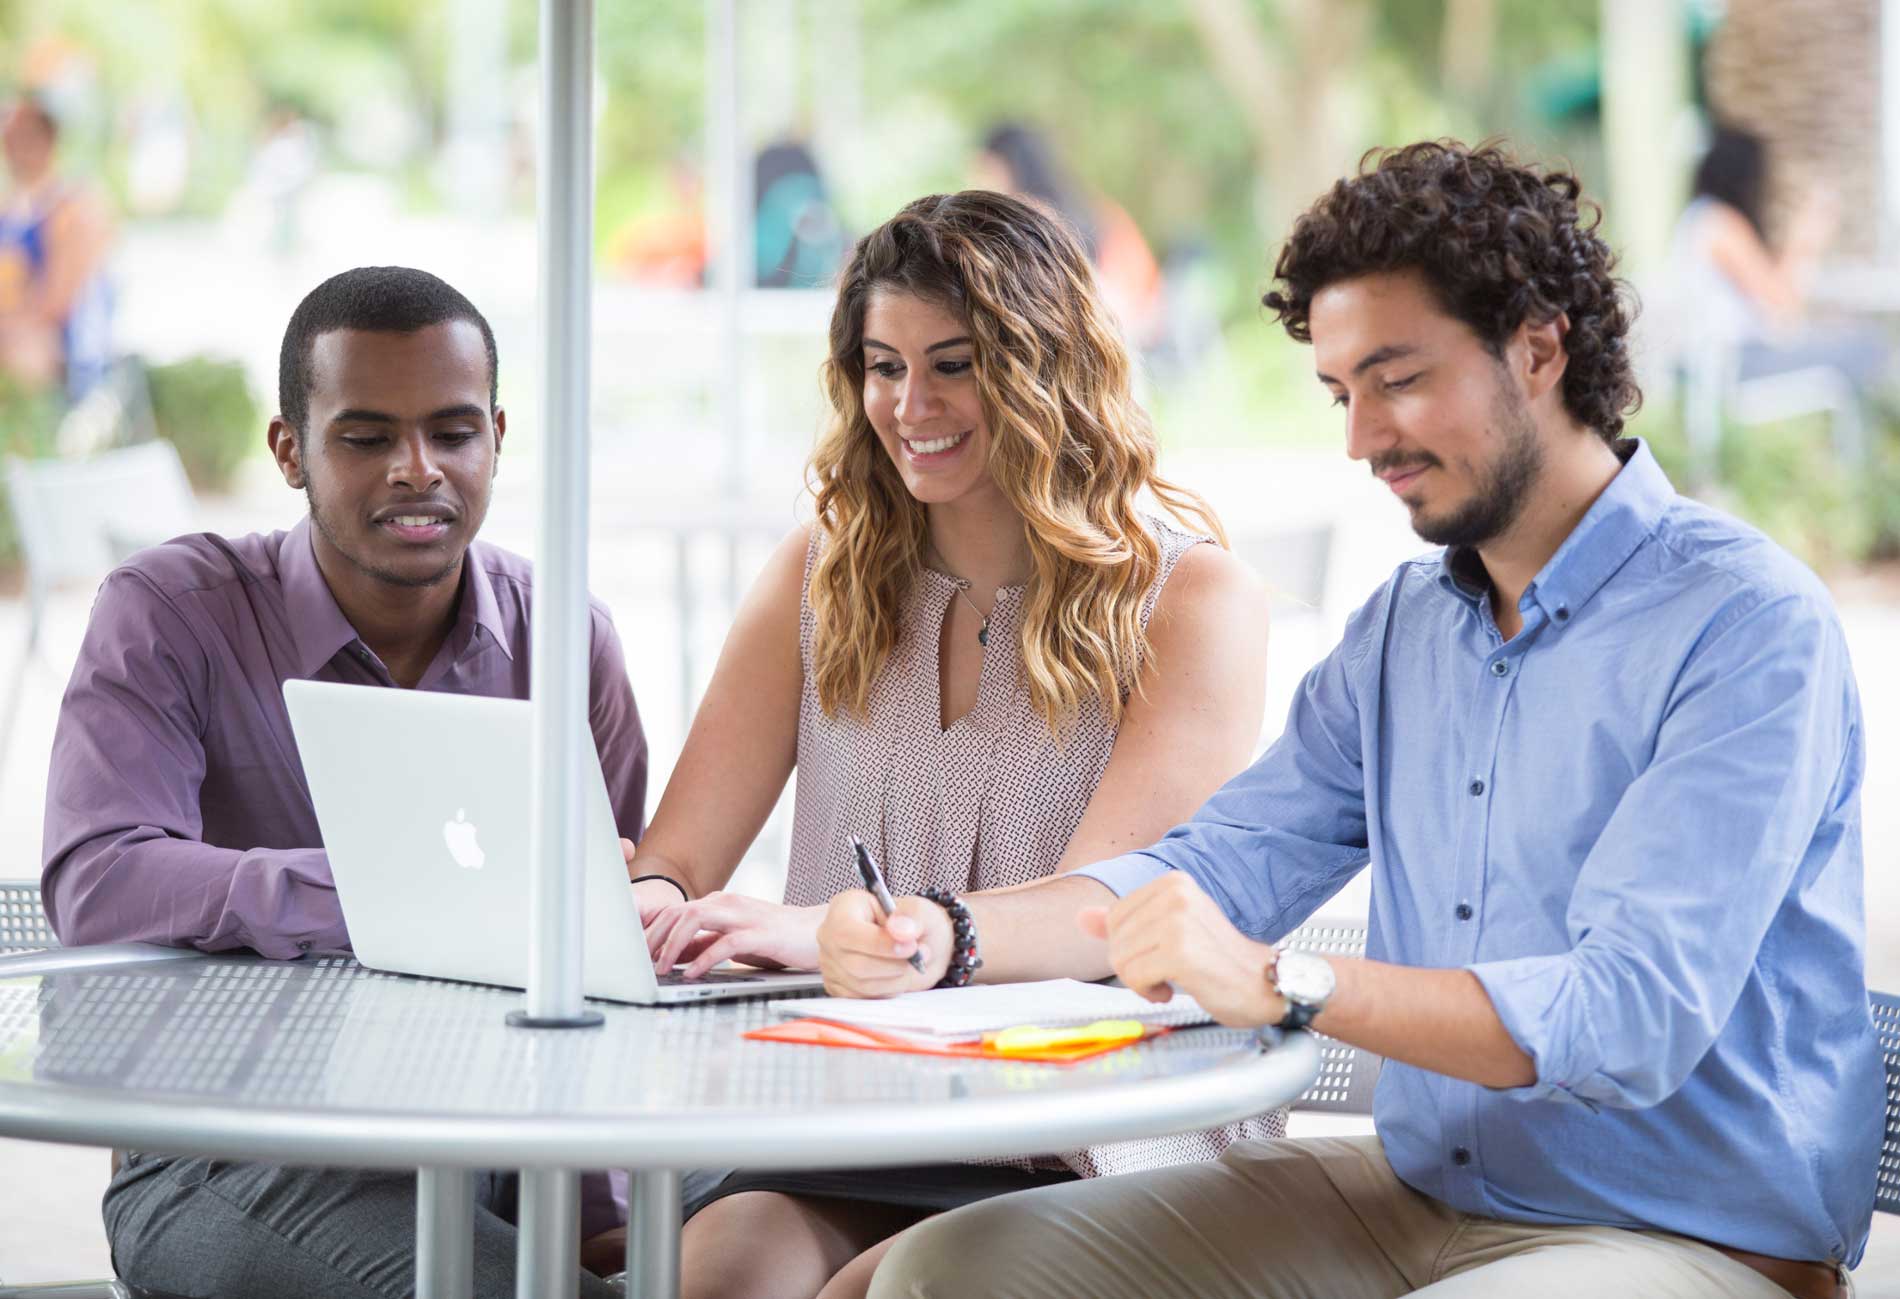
[(1297, 1016)]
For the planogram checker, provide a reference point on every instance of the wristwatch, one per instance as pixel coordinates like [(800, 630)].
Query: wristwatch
[(1305, 981)]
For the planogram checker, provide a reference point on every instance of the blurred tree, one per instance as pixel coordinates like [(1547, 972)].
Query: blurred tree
[(1297, 126), (1806, 79), (1210, 121)]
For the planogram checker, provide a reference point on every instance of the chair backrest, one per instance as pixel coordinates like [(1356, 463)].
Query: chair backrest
[(1347, 1075), (23, 926), (1886, 1010), (78, 518), (1294, 563)]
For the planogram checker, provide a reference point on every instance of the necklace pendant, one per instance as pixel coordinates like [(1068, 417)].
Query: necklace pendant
[(983, 633)]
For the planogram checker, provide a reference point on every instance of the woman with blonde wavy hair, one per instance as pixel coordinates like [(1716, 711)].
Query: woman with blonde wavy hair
[(984, 658)]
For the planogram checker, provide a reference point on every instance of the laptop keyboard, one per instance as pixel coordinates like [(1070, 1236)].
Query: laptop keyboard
[(678, 980)]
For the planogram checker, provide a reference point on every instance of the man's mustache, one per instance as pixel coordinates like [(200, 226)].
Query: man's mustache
[(1386, 465)]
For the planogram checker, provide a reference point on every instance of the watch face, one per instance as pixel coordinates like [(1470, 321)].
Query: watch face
[(1303, 978)]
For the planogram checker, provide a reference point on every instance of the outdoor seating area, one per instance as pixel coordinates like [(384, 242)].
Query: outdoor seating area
[(866, 649)]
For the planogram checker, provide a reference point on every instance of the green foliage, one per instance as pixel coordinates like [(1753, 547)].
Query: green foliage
[(1125, 88), (205, 408), (1787, 480)]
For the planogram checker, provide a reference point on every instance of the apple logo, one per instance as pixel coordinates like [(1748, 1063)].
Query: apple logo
[(459, 835)]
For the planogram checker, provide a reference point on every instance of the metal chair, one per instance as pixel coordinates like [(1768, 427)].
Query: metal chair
[(23, 928), (1886, 1008), (1295, 563), (76, 519), (1347, 1075), (1715, 395)]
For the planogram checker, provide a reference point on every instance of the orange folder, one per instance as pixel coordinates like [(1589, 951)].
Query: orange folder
[(820, 1032)]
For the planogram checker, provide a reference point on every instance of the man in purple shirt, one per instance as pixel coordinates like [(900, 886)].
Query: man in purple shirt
[(176, 809)]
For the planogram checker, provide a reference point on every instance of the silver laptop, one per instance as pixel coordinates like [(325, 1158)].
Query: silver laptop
[(423, 801)]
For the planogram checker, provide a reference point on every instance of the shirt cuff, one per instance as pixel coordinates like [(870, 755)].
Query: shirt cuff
[(1547, 1015), (1124, 874)]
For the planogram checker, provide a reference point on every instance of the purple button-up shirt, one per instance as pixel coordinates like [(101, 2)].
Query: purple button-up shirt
[(176, 808)]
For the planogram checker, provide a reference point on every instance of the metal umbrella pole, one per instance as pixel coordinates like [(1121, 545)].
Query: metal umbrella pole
[(559, 684), (548, 1258)]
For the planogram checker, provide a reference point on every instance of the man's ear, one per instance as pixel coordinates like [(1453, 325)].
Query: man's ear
[(501, 431), (1544, 358), (286, 451)]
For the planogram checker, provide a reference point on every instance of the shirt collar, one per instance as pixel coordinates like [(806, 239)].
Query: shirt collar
[(317, 626), (1609, 533), (479, 608), (320, 630)]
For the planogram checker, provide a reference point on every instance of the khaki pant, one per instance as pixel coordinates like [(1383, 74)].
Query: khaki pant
[(1314, 1219)]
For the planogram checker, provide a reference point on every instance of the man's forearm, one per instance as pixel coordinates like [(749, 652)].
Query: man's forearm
[(1030, 931), (1441, 1020), (145, 886)]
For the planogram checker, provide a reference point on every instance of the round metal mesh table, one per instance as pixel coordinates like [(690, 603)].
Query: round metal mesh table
[(321, 1061)]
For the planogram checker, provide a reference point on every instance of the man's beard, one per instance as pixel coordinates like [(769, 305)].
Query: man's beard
[(322, 524), (1502, 488)]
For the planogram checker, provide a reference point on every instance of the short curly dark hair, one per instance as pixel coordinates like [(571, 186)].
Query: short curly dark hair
[(1499, 241)]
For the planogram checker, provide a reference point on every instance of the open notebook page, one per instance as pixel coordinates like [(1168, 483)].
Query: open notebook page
[(963, 1014)]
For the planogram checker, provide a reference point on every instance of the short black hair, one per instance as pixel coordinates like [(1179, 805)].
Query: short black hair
[(1499, 241), (381, 299)]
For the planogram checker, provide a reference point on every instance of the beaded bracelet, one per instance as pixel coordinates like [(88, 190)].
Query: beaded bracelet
[(964, 962)]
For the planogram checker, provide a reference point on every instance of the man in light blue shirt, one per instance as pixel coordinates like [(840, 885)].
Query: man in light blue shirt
[(1603, 755)]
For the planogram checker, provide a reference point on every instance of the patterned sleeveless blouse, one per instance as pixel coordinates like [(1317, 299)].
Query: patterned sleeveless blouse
[(989, 802)]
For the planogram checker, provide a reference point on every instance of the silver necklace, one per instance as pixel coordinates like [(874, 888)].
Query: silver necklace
[(963, 592), (983, 628)]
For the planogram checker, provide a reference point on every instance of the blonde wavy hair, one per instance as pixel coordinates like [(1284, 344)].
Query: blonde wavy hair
[(1069, 447)]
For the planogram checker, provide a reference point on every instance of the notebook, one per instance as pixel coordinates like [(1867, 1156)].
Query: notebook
[(966, 1014)]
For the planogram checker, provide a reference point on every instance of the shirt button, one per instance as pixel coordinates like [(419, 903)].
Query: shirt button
[(1563, 613), (1476, 787), (1500, 668), (1460, 1156), (1462, 911)]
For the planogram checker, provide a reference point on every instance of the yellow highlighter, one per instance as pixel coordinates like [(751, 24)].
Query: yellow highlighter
[(1031, 1037)]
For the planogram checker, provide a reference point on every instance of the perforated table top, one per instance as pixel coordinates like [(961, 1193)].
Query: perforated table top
[(323, 1061)]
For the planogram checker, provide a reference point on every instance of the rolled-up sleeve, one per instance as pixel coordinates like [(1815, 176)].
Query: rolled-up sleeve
[(1759, 742), (124, 859), (1128, 872), (1284, 835)]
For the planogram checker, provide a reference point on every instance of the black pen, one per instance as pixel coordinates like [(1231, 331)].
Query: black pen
[(874, 881)]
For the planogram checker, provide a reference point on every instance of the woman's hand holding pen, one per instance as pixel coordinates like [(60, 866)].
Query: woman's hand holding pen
[(861, 954), (732, 926)]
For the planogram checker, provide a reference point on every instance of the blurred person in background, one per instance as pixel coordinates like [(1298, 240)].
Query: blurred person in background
[(1731, 289), (799, 237), (666, 248), (984, 658), (55, 304), (1018, 159), (281, 171)]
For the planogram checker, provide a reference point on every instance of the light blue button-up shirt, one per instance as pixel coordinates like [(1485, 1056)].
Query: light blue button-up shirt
[(1637, 822)]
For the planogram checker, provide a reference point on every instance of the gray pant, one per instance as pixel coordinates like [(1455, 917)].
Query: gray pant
[(213, 1230)]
